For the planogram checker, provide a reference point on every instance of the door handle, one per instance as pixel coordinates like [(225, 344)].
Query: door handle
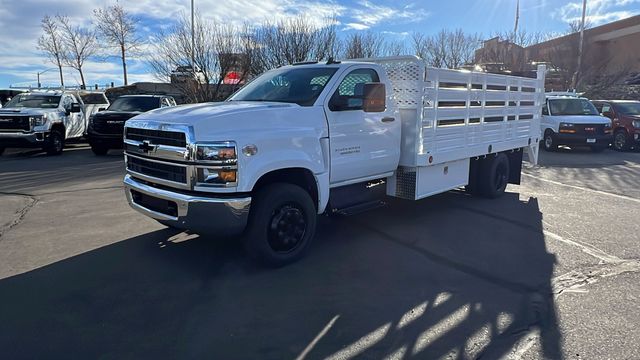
[(388, 119)]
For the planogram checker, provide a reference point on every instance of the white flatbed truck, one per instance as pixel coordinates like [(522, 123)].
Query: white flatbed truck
[(330, 137)]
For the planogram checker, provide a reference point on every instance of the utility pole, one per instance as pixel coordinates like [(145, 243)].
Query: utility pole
[(515, 29), (193, 39), (40, 73), (576, 74)]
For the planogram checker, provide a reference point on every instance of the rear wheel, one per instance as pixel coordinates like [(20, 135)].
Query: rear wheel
[(99, 150), (549, 141), (282, 223), (621, 141), (494, 177), (55, 143)]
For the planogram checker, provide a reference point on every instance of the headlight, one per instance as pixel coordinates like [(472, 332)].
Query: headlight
[(636, 124), (38, 120), (221, 153), (217, 176), (566, 125)]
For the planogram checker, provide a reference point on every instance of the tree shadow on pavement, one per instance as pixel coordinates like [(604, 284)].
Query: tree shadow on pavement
[(449, 276)]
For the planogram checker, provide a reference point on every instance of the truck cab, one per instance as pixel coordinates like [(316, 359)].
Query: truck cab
[(330, 137), (568, 119), (41, 119)]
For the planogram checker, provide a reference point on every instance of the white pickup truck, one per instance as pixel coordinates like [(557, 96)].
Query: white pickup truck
[(332, 137)]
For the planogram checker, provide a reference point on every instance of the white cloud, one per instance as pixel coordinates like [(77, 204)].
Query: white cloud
[(21, 60), (598, 11)]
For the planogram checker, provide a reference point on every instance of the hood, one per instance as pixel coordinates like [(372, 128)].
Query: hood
[(191, 114), (26, 111), (233, 119), (581, 119), (114, 115)]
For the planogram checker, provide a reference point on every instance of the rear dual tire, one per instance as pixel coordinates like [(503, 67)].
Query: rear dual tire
[(491, 178)]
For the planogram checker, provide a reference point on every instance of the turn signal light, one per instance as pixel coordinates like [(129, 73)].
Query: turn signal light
[(567, 131)]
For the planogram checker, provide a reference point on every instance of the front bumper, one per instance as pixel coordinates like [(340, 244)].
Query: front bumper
[(202, 214), (112, 140), (582, 139), (23, 140)]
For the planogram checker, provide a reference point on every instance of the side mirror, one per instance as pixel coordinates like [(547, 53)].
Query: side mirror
[(75, 108), (374, 97)]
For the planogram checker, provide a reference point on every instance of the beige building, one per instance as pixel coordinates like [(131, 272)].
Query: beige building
[(611, 50)]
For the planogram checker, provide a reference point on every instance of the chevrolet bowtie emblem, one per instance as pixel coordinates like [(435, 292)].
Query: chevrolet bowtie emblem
[(146, 147)]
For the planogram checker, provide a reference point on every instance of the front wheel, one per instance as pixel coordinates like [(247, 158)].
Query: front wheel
[(55, 143), (99, 150), (620, 141), (282, 223), (549, 142)]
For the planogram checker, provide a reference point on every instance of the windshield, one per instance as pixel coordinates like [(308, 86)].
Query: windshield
[(572, 107), (301, 86), (629, 108), (134, 104), (34, 101), (94, 98)]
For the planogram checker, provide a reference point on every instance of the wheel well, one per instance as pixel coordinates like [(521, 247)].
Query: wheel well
[(59, 127), (297, 176), (621, 129), (547, 131)]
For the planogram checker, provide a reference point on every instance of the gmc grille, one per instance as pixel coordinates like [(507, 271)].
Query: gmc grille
[(157, 170), (14, 123), (157, 137)]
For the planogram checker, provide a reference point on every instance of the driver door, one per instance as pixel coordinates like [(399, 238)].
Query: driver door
[(362, 144)]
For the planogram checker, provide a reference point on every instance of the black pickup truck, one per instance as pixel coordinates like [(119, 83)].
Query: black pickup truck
[(106, 127)]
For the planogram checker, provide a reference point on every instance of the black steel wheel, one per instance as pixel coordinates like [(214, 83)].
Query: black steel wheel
[(282, 223), (495, 176)]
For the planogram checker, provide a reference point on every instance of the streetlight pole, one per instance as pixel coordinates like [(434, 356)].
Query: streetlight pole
[(40, 73), (577, 74), (193, 39)]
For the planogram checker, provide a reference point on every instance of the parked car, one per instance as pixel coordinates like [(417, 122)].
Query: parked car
[(106, 127), (625, 116), (568, 119), (42, 120)]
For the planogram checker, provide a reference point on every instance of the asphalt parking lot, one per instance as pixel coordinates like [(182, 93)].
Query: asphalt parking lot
[(551, 270)]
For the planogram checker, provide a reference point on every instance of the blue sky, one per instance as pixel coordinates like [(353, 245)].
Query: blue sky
[(397, 19)]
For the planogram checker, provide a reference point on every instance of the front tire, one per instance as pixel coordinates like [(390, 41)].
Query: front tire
[(282, 223), (55, 143), (99, 150), (549, 141), (621, 141)]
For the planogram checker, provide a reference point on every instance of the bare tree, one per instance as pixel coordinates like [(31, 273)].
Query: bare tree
[(218, 50), (51, 44), (80, 44), (294, 40), (118, 28), (363, 45), (450, 49)]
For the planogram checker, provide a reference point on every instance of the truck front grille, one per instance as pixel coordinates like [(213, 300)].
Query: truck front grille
[(14, 123), (157, 137), (163, 171), (589, 129)]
